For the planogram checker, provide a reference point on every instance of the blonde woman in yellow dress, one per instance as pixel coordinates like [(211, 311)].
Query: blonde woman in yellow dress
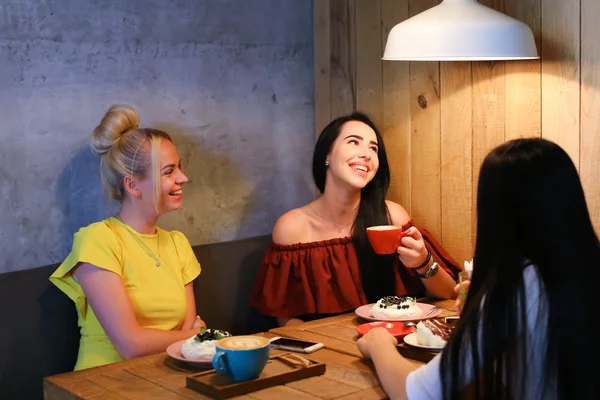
[(131, 281)]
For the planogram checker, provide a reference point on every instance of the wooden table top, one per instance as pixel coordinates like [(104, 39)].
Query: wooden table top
[(339, 333), (347, 377), (160, 377)]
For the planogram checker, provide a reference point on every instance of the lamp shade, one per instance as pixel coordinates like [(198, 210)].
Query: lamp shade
[(460, 30)]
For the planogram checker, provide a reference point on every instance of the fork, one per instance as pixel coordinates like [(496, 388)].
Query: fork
[(427, 314), (432, 311)]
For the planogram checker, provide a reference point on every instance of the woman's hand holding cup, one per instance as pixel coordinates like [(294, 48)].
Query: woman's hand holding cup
[(408, 244), (412, 251)]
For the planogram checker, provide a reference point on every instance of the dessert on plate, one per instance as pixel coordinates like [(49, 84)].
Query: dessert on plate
[(396, 307), (433, 333), (201, 347)]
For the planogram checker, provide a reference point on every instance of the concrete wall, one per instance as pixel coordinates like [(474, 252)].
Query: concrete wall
[(231, 80)]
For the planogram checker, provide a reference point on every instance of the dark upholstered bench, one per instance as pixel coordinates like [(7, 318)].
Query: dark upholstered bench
[(38, 323)]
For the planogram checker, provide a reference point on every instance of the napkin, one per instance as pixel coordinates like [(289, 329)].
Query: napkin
[(468, 266)]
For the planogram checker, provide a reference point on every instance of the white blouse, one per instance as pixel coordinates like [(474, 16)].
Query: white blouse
[(426, 383)]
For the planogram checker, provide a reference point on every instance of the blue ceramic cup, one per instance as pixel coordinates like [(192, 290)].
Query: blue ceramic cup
[(241, 358)]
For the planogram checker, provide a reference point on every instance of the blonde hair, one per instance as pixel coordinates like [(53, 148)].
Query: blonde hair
[(126, 150)]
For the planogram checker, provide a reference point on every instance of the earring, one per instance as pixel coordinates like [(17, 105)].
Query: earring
[(327, 163)]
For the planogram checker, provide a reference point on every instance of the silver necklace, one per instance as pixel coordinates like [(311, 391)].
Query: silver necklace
[(142, 245), (340, 228)]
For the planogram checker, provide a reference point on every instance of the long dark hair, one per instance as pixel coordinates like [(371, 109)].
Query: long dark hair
[(377, 272), (531, 210)]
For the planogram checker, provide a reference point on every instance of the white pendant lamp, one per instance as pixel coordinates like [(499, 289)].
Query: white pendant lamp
[(460, 30)]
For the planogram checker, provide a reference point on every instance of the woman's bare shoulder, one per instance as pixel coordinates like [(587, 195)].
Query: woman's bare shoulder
[(292, 227), (398, 214)]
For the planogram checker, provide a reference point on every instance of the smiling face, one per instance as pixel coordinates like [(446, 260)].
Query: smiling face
[(353, 159), (171, 181)]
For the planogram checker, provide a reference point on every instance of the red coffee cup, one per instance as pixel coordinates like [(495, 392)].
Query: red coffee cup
[(384, 239)]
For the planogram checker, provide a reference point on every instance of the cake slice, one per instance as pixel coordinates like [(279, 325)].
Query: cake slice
[(433, 333)]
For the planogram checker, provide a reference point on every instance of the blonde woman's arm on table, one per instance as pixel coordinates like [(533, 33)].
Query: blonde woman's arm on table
[(105, 291), (192, 321)]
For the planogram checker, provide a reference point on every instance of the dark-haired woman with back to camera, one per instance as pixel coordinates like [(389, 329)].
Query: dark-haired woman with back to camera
[(321, 262), (527, 329)]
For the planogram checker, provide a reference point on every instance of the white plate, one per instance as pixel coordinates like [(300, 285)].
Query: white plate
[(411, 339)]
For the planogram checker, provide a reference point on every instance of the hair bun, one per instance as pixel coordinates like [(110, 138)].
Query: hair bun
[(118, 119)]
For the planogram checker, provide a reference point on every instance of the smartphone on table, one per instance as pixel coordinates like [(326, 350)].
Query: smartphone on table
[(300, 346)]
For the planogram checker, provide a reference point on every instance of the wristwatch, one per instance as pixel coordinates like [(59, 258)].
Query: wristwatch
[(431, 271)]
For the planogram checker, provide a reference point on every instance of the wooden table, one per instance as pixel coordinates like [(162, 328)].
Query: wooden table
[(348, 376), (160, 377), (339, 333)]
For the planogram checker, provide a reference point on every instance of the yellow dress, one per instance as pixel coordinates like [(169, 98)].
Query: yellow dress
[(157, 293)]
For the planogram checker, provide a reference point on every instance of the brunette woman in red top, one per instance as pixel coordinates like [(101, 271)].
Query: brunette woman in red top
[(321, 262)]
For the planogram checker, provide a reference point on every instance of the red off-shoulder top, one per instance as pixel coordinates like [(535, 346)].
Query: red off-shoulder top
[(321, 278)]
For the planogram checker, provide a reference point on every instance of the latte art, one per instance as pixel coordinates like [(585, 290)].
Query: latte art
[(242, 342)]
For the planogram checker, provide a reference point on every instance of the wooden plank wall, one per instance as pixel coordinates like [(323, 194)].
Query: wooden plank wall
[(439, 120)]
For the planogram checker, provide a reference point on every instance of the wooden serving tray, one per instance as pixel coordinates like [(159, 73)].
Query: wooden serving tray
[(278, 371)]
